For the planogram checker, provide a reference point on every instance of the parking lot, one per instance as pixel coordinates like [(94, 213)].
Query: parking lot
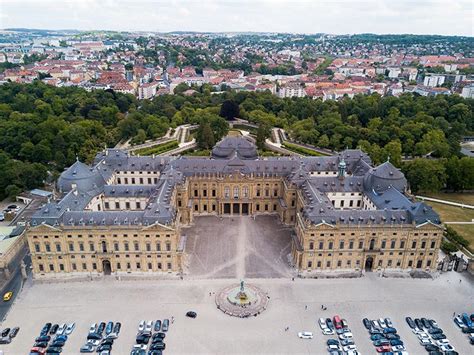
[(294, 304), (249, 249)]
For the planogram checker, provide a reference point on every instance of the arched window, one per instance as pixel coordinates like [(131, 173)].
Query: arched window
[(236, 192)]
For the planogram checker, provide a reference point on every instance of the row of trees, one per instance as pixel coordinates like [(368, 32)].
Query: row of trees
[(431, 175), (50, 126)]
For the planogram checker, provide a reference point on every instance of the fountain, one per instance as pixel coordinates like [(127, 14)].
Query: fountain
[(242, 301)]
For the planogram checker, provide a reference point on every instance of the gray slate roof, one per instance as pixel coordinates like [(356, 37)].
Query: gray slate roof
[(384, 185)]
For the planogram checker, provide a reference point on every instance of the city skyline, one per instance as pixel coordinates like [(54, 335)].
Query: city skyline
[(341, 17)]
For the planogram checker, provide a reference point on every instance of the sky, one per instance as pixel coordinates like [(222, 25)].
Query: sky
[(446, 17)]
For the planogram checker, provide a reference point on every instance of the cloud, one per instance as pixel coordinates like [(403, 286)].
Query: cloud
[(450, 17)]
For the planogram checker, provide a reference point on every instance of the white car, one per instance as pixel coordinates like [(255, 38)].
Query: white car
[(447, 347), (398, 348), (425, 342), (382, 323), (149, 326), (334, 347), (139, 347), (61, 329), (345, 336), (352, 352), (305, 335), (69, 328), (94, 342), (93, 328), (349, 347), (141, 326), (442, 342), (376, 324), (328, 331)]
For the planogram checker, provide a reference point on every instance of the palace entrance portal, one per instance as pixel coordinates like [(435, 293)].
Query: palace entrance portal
[(106, 267)]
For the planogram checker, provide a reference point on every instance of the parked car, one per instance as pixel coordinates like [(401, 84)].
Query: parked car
[(165, 325), (381, 342), (41, 338), (5, 340), (389, 330), (367, 323), (117, 328), (459, 322), (344, 323), (158, 346), (411, 322), (382, 323), (330, 323), (54, 329), (157, 325), (391, 336), (2, 216), (433, 323), (383, 349), (87, 348), (93, 328), (191, 314), (419, 323), (109, 328), (149, 326), (332, 342), (467, 321), (61, 329), (37, 350), (69, 328), (101, 328), (426, 323), (5, 332), (337, 322), (388, 322), (141, 326), (14, 332), (305, 335)]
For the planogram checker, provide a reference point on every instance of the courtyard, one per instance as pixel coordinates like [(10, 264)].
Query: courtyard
[(294, 304), (238, 247)]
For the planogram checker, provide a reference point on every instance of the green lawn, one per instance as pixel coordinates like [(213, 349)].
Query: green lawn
[(465, 197), (158, 149), (456, 214)]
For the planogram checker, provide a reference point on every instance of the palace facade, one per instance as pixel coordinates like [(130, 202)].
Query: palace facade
[(123, 214)]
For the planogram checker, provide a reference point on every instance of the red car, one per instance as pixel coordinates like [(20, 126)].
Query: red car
[(37, 350), (384, 349), (337, 322)]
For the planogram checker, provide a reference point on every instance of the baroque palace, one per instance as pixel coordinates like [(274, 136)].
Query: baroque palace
[(124, 213)]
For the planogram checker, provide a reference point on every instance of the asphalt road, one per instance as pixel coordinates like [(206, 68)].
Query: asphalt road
[(13, 285)]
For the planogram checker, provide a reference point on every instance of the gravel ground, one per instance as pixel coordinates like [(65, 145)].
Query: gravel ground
[(216, 333)]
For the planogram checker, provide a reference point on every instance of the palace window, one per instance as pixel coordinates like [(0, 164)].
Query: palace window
[(245, 192), (47, 247), (311, 245), (236, 192), (402, 244), (37, 247), (226, 192), (433, 244), (58, 247), (384, 244)]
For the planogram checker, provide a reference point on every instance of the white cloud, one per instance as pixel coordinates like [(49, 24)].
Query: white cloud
[(453, 17)]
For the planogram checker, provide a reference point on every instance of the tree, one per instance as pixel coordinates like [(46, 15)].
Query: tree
[(229, 110), (394, 151), (12, 191), (425, 175), (323, 141), (205, 136), (263, 132)]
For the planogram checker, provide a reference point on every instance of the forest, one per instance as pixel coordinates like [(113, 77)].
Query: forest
[(44, 128)]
